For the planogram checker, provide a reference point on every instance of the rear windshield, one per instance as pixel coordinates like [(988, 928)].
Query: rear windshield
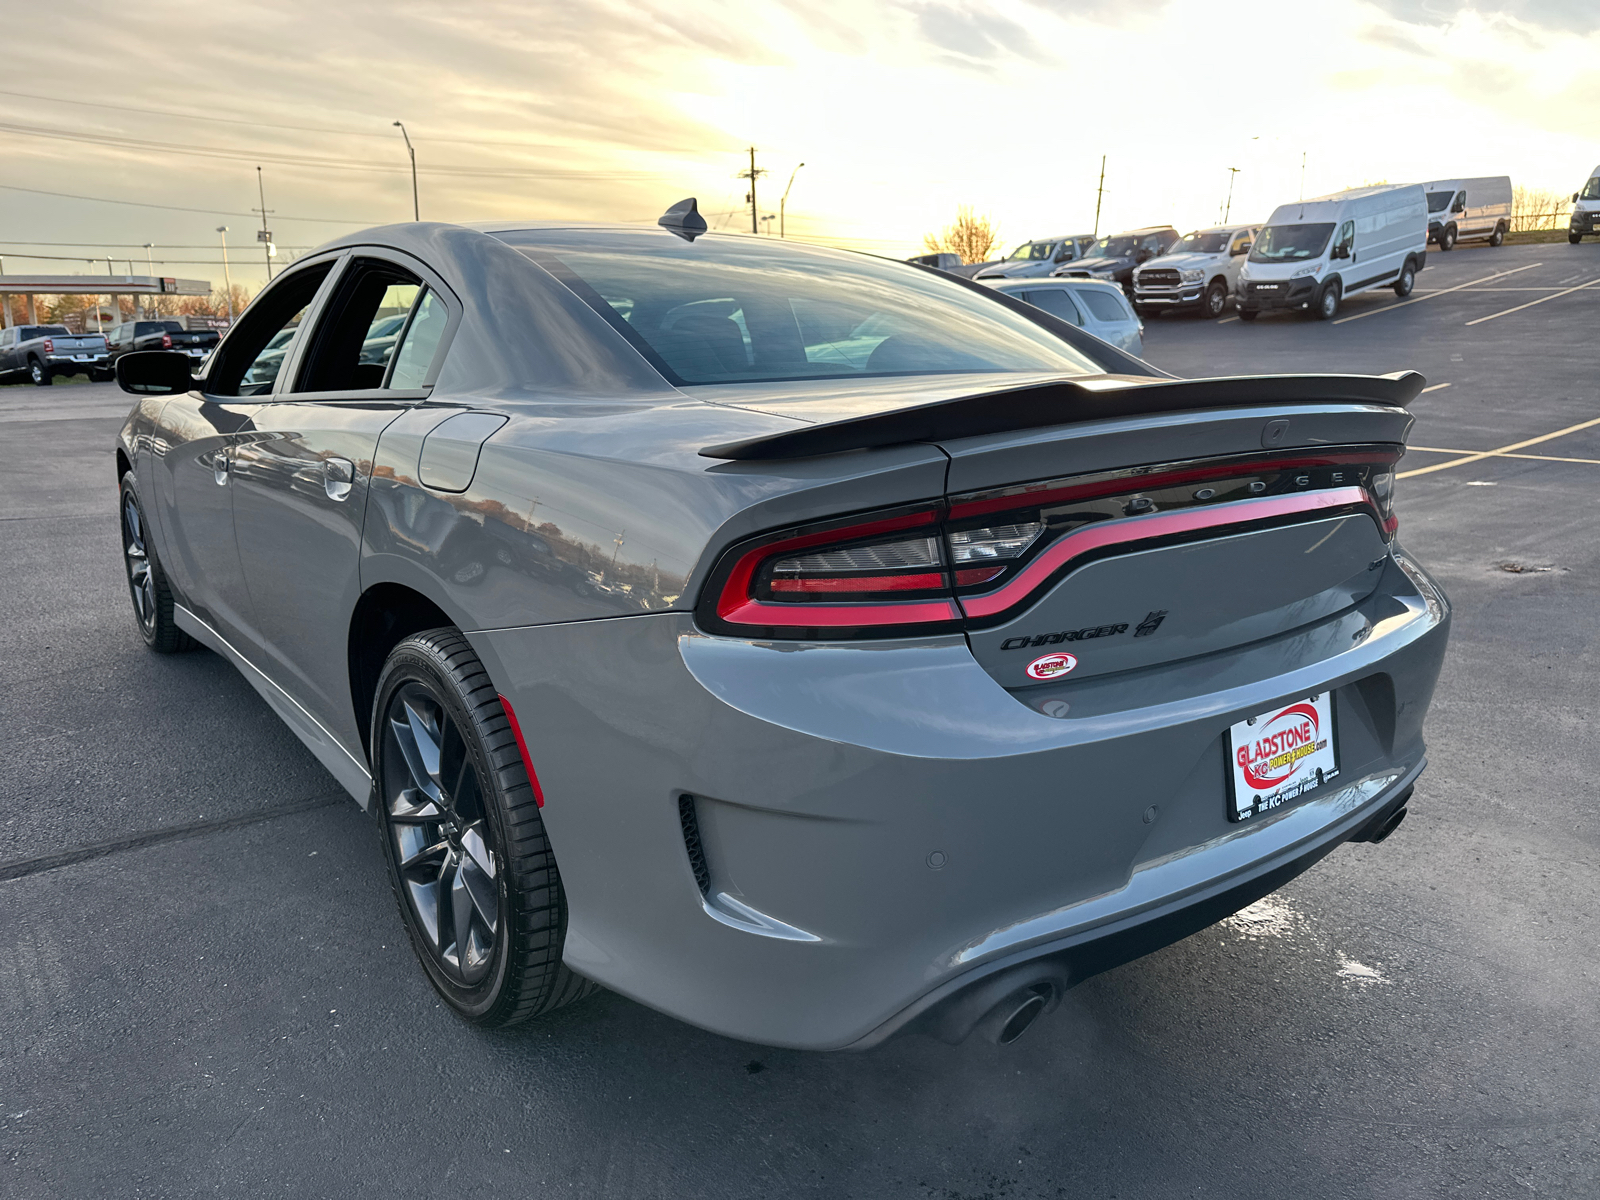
[(1291, 243), (145, 327), (28, 332), (1105, 304), (747, 310)]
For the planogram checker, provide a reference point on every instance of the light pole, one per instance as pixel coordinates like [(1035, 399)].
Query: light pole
[(416, 212), (149, 266), (784, 202), (1232, 171), (227, 280)]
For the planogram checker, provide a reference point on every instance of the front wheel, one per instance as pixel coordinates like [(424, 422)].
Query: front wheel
[(147, 583), (1216, 298), (39, 373), (1407, 280), (1574, 238), (1447, 239), (1248, 314), (1498, 236), (469, 860), (1328, 301)]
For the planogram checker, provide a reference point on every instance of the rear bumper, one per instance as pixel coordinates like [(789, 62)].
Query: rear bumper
[(884, 826), (63, 363)]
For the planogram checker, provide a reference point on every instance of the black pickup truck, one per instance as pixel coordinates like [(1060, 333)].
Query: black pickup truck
[(41, 352), (161, 335)]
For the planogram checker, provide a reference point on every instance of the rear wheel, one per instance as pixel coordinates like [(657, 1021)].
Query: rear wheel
[(147, 584), (1407, 280), (471, 866), (39, 373), (1447, 239), (1327, 307), (1498, 236), (1216, 299)]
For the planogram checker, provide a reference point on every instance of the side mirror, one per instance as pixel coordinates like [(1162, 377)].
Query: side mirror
[(1574, 197), (154, 373)]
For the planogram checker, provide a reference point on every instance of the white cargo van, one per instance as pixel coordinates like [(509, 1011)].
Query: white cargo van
[(1585, 209), (1461, 209), (1312, 254)]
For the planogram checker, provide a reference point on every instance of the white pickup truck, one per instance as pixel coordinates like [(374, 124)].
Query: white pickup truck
[(1200, 271), (41, 352)]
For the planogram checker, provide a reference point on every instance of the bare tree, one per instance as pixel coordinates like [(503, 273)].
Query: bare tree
[(973, 237), (1538, 208)]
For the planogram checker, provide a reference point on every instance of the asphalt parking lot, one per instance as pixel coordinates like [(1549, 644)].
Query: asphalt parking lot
[(205, 987)]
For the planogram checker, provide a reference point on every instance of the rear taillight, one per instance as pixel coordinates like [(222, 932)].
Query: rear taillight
[(49, 346), (889, 570), (166, 341), (983, 555)]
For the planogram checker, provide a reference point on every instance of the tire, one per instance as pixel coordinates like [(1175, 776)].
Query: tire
[(1498, 236), (102, 376), (1574, 238), (1328, 301), (147, 582), (1447, 239), (1215, 302), (1407, 280), (465, 836), (39, 373), (1248, 314)]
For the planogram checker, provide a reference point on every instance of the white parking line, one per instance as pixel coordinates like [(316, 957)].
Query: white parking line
[(1445, 292), (1225, 320), (1593, 462), (1434, 388), (1531, 303), (1498, 451)]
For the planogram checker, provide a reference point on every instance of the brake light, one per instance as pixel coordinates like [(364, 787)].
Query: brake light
[(166, 341), (887, 571), (49, 346), (982, 556)]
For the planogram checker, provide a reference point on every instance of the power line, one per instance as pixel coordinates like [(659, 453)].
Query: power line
[(320, 162), (88, 258), (166, 112), (213, 212), (140, 245)]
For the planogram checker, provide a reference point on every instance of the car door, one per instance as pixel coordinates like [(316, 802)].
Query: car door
[(8, 339), (301, 476), (192, 446)]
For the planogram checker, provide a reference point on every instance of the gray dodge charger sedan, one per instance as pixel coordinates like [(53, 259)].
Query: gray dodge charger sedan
[(807, 645)]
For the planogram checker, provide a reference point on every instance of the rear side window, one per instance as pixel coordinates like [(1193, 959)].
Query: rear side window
[(1105, 305), (420, 342), (357, 334), (1056, 302), (736, 310)]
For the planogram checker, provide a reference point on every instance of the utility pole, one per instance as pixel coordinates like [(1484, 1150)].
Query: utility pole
[(265, 236), (784, 202), (1232, 171), (416, 213), (149, 266), (1302, 176), (1099, 195), (752, 175), (227, 280)]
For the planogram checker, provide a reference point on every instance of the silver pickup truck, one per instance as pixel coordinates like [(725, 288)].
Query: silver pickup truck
[(41, 352)]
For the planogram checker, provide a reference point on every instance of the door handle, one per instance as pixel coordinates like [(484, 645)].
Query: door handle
[(337, 476), (219, 466)]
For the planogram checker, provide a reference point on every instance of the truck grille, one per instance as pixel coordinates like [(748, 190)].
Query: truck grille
[(1158, 278)]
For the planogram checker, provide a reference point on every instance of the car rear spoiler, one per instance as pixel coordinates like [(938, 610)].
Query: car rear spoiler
[(1067, 402)]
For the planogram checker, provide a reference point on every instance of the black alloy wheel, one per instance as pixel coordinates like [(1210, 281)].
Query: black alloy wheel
[(1216, 298), (39, 373), (469, 860), (1498, 236), (1447, 239), (147, 585), (1328, 301), (1407, 280)]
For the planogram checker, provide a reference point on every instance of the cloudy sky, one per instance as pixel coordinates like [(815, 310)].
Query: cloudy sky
[(901, 111)]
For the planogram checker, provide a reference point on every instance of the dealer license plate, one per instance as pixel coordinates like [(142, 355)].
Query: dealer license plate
[(1280, 756), (82, 357)]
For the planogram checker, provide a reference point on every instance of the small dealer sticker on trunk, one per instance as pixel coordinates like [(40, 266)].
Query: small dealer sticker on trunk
[(1278, 757)]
